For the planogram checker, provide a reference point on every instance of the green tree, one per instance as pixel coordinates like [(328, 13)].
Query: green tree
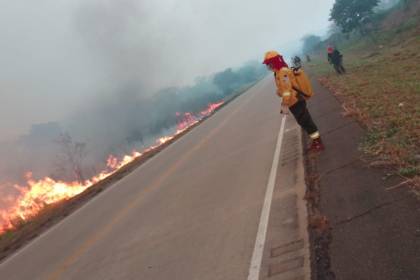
[(353, 14)]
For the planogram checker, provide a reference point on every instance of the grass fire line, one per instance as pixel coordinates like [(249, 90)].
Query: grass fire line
[(37, 194)]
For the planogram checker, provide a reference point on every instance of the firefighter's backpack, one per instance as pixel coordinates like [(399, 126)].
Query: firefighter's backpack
[(304, 84)]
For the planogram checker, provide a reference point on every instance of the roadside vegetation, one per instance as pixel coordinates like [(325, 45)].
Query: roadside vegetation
[(381, 88)]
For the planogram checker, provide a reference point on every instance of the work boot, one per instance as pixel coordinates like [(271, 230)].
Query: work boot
[(316, 145)]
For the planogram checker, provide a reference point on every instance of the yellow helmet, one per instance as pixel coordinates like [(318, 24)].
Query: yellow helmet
[(270, 55)]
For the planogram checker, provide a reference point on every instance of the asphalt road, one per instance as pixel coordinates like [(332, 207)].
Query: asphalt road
[(191, 212)]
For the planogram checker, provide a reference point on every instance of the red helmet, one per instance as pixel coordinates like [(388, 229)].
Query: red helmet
[(274, 59), (330, 49)]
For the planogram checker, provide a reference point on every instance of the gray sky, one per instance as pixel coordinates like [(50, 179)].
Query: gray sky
[(58, 55)]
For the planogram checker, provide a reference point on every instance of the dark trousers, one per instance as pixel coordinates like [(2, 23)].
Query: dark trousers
[(303, 118), (339, 68)]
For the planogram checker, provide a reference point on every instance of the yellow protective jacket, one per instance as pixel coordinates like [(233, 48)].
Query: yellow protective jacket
[(304, 84), (289, 83)]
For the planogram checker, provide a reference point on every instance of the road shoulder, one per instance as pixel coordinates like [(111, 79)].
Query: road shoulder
[(361, 227), (286, 253)]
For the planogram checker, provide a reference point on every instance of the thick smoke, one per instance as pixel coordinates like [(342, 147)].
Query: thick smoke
[(115, 124), (83, 79)]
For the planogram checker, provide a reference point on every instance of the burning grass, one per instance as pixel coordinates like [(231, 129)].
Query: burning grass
[(45, 202), (382, 91), (22, 230)]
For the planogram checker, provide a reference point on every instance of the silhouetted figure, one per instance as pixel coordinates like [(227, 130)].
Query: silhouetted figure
[(336, 59)]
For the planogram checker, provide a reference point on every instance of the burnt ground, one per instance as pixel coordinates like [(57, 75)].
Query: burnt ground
[(364, 224)]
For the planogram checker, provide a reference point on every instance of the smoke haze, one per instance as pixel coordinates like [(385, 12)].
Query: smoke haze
[(100, 69)]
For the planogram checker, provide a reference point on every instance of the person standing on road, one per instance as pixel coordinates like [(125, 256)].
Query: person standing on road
[(294, 95), (336, 59)]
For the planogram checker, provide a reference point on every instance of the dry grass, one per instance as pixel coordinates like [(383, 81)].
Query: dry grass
[(382, 91)]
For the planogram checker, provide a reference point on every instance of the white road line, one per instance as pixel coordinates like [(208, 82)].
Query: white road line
[(254, 269)]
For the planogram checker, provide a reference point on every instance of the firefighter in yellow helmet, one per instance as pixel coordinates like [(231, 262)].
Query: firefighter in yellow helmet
[(294, 93)]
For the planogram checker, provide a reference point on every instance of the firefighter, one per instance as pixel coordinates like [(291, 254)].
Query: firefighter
[(294, 96), (336, 59)]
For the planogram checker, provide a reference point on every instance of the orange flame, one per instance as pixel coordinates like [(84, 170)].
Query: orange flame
[(37, 194)]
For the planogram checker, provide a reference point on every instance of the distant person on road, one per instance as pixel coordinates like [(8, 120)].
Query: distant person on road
[(294, 88), (336, 59)]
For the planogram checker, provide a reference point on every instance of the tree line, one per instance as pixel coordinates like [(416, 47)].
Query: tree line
[(353, 18)]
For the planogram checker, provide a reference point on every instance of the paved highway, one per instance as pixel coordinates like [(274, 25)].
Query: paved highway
[(198, 210)]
